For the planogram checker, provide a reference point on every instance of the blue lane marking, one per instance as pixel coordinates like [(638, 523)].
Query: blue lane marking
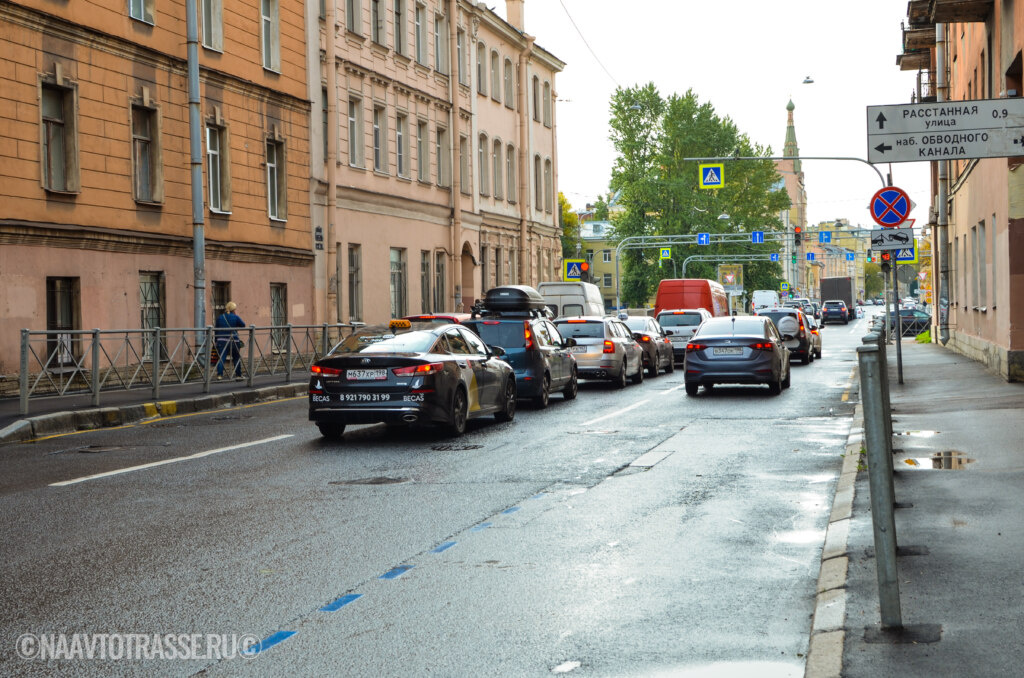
[(481, 526), (538, 495), (396, 573), (444, 547), (341, 602), (510, 510), (268, 642)]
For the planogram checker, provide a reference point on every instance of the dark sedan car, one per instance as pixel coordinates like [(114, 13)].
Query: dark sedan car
[(737, 350), (410, 374), (657, 347), (793, 326)]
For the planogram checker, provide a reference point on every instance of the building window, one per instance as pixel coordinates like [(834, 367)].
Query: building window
[(460, 54), (547, 104), (509, 94), (323, 9), (439, 282), (422, 153), (440, 44), (59, 145), (424, 281), (141, 10), (444, 175), (549, 185), (271, 30), (355, 282), (152, 300), (485, 268), (536, 98), (220, 295), (399, 11), (401, 144), (421, 34), (606, 256), (377, 21), (495, 76), (538, 186), (277, 186), (499, 269), (62, 317), (213, 24), (481, 68), (481, 157), (607, 279), (146, 157), (325, 123), (399, 288), (464, 165), (355, 132), (513, 266), (279, 316), (380, 137), (352, 15), (498, 167), (510, 172), (218, 168)]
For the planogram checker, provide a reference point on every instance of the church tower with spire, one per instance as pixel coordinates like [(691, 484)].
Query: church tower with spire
[(791, 170)]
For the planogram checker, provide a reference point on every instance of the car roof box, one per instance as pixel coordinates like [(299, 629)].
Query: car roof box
[(513, 298)]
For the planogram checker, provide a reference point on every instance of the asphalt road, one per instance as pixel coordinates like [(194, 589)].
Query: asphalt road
[(639, 532)]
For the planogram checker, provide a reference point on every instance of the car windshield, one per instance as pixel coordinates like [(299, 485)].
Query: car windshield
[(382, 339), (636, 324), (776, 316), (507, 334), (745, 325), (591, 329), (679, 320)]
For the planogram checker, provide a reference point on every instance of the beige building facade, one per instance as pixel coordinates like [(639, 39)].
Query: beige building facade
[(96, 222)]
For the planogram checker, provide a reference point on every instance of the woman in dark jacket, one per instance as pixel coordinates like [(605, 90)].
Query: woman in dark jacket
[(227, 339)]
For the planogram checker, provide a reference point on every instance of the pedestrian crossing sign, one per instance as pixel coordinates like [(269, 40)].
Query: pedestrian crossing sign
[(572, 269), (712, 176), (666, 252), (907, 255)]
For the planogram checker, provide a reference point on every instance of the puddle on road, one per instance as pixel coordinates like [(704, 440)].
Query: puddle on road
[(801, 536), (919, 434), (455, 447), (378, 480), (950, 460), (95, 449)]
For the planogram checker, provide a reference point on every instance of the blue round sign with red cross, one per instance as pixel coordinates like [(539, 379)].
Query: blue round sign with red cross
[(890, 207)]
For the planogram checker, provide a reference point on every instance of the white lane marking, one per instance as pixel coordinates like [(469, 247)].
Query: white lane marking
[(616, 412), (198, 455), (674, 388)]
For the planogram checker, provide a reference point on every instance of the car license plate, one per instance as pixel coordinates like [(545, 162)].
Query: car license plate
[(729, 351), (364, 375), (577, 349)]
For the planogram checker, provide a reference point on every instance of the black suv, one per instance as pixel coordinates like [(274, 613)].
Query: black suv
[(793, 326), (515, 318)]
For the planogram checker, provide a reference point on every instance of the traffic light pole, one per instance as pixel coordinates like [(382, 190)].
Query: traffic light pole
[(899, 321)]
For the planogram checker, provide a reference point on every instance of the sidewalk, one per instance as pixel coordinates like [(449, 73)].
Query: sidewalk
[(51, 416), (960, 531)]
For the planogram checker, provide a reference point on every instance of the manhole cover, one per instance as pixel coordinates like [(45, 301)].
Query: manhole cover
[(94, 449), (379, 480), (455, 447)]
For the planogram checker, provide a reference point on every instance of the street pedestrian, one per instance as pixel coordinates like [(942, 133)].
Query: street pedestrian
[(227, 340)]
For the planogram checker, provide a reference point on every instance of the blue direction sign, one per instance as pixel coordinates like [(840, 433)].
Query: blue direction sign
[(712, 176), (810, 256), (850, 256), (666, 252), (824, 237), (775, 256), (890, 207), (703, 238), (757, 237)]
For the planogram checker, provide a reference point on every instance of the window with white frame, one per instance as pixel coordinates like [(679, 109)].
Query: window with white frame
[(509, 93), (549, 185), (607, 279), (352, 21), (460, 55), (481, 157), (443, 151), (277, 185), (380, 139), (606, 256), (495, 76), (439, 282), (421, 34), (402, 144), (399, 18), (497, 170), (270, 30), (355, 132), (218, 168), (146, 157), (538, 185), (510, 172), (141, 10), (464, 183), (213, 24), (398, 284), (547, 104), (59, 147), (481, 68), (422, 152), (440, 44)]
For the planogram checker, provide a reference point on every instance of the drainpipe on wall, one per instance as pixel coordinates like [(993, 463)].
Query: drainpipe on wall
[(524, 155), (455, 159), (332, 269), (941, 236), (196, 165)]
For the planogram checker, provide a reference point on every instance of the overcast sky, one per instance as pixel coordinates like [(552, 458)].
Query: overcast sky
[(748, 58)]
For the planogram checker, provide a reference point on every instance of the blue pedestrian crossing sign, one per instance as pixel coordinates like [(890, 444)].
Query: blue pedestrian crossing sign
[(666, 253), (825, 237), (711, 176), (572, 269), (784, 286), (703, 238), (810, 256), (907, 255), (757, 237), (850, 256), (775, 256)]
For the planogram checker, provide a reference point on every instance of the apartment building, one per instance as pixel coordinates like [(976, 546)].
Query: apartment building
[(974, 49), (434, 168), (96, 213)]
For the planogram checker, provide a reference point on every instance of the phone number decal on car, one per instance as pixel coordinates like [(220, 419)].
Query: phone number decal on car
[(365, 397)]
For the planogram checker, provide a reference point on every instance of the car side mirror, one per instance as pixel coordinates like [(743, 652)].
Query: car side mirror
[(668, 333), (637, 337), (568, 343), (496, 351)]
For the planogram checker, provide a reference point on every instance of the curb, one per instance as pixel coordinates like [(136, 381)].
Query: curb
[(56, 423)]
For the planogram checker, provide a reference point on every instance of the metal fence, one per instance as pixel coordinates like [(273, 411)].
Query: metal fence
[(76, 362)]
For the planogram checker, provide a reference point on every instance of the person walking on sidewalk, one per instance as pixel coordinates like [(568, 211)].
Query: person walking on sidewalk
[(227, 340)]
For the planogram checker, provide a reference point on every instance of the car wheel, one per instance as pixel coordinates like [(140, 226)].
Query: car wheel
[(817, 354), (460, 412), (572, 388), (691, 388), (775, 387), (652, 369), (508, 410), (620, 378), (786, 382), (671, 365), (541, 401), (332, 431), (639, 376)]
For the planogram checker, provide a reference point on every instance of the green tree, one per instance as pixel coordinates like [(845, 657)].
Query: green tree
[(569, 223), (600, 210), (873, 280)]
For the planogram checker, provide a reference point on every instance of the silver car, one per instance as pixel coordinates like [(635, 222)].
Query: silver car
[(679, 325), (737, 350), (605, 349)]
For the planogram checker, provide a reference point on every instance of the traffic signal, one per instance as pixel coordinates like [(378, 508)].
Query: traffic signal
[(794, 257), (797, 233), (886, 262), (585, 272)]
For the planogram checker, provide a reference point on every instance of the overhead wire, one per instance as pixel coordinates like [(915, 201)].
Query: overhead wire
[(592, 52)]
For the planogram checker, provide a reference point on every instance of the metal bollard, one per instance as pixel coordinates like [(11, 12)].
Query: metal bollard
[(23, 375), (880, 479), (884, 374), (95, 378), (250, 358)]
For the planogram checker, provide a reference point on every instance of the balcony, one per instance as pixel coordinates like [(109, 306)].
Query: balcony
[(914, 61), (918, 38), (918, 14), (958, 11)]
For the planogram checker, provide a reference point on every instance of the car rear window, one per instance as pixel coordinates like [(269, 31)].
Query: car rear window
[(776, 316), (504, 333), (679, 320), (593, 329), (732, 326), (636, 324), (385, 340)]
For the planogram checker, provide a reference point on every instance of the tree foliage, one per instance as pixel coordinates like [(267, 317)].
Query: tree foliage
[(569, 223)]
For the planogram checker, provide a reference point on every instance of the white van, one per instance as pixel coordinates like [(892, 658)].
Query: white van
[(764, 299), (566, 299)]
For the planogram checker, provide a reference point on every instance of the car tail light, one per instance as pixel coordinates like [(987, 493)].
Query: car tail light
[(491, 322), (418, 370), (692, 346), (527, 334), (325, 371), (763, 346), (609, 346), (644, 339)]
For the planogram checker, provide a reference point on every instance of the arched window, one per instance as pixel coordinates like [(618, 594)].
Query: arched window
[(482, 163), (510, 172), (547, 104), (481, 68), (538, 186), (495, 76), (536, 98), (499, 182), (509, 93), (549, 186)]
